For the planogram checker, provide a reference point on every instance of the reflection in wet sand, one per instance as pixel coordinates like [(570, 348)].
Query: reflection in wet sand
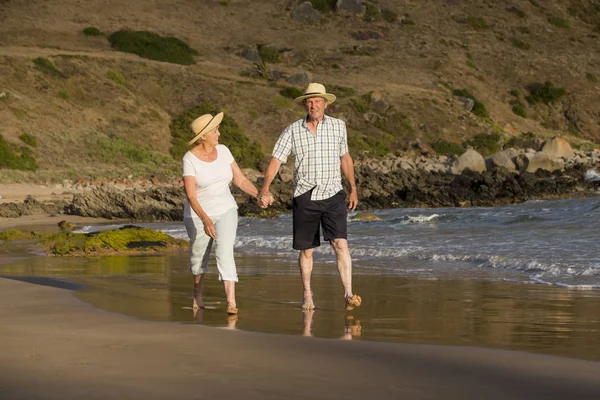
[(535, 318)]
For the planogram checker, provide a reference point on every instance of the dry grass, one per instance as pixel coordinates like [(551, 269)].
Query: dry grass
[(103, 94)]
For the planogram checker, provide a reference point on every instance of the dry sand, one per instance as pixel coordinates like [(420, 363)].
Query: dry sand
[(54, 346)]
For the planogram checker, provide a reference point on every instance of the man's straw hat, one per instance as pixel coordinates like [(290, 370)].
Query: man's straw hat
[(204, 124), (315, 90)]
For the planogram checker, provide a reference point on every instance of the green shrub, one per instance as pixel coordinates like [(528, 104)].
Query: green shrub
[(269, 54), (524, 29), (445, 147), (372, 12), (591, 77), (91, 31), (544, 93), (370, 146), (64, 95), (246, 153), (514, 93), (116, 78), (519, 44), (118, 151), (29, 139), (527, 140), (324, 5), (389, 15), (153, 46), (341, 91), (360, 104), (519, 109), (291, 92), (485, 144), (478, 107), (47, 67), (559, 22), (13, 157), (474, 22), (517, 11), (280, 102)]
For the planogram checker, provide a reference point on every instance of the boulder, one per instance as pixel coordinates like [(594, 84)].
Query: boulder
[(557, 147), (470, 159), (306, 14), (505, 159), (351, 6)]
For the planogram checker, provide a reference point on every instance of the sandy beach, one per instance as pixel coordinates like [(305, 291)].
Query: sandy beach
[(56, 347)]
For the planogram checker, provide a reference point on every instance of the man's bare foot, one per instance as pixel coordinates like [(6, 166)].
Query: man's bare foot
[(353, 301), (307, 303)]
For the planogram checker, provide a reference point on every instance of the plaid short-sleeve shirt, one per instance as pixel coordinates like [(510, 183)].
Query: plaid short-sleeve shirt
[(316, 157)]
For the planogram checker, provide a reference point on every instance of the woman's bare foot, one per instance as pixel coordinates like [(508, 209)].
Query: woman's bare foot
[(197, 303), (307, 302), (232, 308)]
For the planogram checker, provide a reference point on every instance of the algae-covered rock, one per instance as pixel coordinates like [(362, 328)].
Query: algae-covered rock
[(126, 240), (366, 216)]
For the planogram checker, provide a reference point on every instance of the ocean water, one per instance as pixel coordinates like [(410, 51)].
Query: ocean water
[(520, 277), (553, 242)]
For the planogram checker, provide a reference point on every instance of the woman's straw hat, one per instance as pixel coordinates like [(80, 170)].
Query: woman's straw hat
[(315, 90), (204, 124)]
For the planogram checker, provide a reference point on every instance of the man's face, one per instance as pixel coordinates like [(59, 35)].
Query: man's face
[(315, 107)]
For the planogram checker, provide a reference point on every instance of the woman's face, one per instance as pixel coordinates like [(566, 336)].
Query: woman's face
[(212, 137)]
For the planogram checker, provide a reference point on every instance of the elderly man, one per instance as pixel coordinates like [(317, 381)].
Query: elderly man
[(318, 144)]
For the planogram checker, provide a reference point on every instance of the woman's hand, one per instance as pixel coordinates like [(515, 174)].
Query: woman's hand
[(209, 227)]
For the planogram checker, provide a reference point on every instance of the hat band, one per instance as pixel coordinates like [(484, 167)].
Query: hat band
[(310, 94)]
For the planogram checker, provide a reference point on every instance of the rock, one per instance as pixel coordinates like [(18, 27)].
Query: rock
[(366, 216), (300, 79), (504, 159), (378, 103), (306, 14), (471, 160), (366, 34), (250, 54), (351, 6), (542, 161), (557, 147)]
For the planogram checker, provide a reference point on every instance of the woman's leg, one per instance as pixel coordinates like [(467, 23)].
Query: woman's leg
[(200, 246), (226, 227)]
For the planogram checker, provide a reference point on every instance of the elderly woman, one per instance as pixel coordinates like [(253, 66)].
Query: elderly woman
[(210, 211)]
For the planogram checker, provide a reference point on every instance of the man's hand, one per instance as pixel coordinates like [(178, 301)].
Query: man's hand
[(353, 199), (265, 199)]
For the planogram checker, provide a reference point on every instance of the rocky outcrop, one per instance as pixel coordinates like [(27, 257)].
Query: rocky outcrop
[(510, 176)]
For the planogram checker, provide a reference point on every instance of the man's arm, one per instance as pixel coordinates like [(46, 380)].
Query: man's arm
[(347, 167), (270, 173)]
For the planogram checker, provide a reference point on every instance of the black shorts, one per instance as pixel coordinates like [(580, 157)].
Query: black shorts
[(309, 216)]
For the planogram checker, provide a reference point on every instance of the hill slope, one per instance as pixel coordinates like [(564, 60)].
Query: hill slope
[(106, 114)]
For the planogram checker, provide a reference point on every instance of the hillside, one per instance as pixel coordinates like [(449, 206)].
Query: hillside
[(74, 107)]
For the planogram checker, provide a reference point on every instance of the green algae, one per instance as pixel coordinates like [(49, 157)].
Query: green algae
[(126, 240)]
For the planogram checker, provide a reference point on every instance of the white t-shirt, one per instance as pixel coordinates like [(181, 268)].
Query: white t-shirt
[(212, 182)]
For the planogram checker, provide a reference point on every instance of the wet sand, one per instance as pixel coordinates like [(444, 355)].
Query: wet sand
[(53, 345), (56, 347)]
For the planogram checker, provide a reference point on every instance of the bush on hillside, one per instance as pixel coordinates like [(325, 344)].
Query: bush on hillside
[(153, 46), (478, 107), (29, 139), (91, 31), (14, 157), (485, 144), (291, 92), (544, 93), (445, 147), (247, 154), (47, 67), (324, 5)]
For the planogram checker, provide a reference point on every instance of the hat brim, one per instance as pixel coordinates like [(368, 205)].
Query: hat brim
[(327, 96), (209, 127)]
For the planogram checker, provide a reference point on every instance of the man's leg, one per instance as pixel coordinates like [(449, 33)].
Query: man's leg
[(344, 264), (305, 261)]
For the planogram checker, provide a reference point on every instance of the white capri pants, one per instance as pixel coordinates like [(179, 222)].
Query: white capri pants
[(201, 244)]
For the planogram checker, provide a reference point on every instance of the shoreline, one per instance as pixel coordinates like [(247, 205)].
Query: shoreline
[(54, 343)]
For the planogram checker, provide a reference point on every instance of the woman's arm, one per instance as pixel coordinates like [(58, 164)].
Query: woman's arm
[(240, 180), (189, 183)]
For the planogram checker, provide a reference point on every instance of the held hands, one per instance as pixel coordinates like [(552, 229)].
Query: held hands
[(264, 200)]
